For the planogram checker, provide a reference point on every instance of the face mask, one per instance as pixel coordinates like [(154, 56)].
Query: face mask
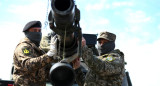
[(106, 47), (35, 37)]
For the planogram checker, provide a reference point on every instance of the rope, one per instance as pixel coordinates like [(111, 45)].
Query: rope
[(64, 43), (46, 20)]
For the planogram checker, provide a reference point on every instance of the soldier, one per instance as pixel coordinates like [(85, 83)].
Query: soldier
[(104, 70), (45, 41), (29, 60)]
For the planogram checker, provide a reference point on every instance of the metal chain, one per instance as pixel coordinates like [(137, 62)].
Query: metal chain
[(46, 20)]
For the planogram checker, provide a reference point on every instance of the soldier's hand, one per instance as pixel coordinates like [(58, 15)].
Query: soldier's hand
[(83, 42), (76, 63), (53, 47)]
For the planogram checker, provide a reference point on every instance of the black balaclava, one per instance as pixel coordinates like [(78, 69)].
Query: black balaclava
[(35, 37), (106, 47)]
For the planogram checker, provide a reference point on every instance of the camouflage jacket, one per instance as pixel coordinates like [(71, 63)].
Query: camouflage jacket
[(44, 44), (105, 70), (30, 64)]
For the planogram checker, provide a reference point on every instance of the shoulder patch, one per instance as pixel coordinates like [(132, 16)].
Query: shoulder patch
[(110, 58), (26, 51)]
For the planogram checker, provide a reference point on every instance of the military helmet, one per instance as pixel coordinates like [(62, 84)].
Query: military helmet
[(107, 35)]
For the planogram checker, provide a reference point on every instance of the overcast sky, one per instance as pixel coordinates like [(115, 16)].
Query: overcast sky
[(135, 22)]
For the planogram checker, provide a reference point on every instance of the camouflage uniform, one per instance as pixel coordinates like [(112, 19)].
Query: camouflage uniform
[(105, 70), (44, 44), (30, 64), (46, 39)]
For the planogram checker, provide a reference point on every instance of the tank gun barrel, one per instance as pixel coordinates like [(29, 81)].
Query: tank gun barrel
[(64, 20)]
